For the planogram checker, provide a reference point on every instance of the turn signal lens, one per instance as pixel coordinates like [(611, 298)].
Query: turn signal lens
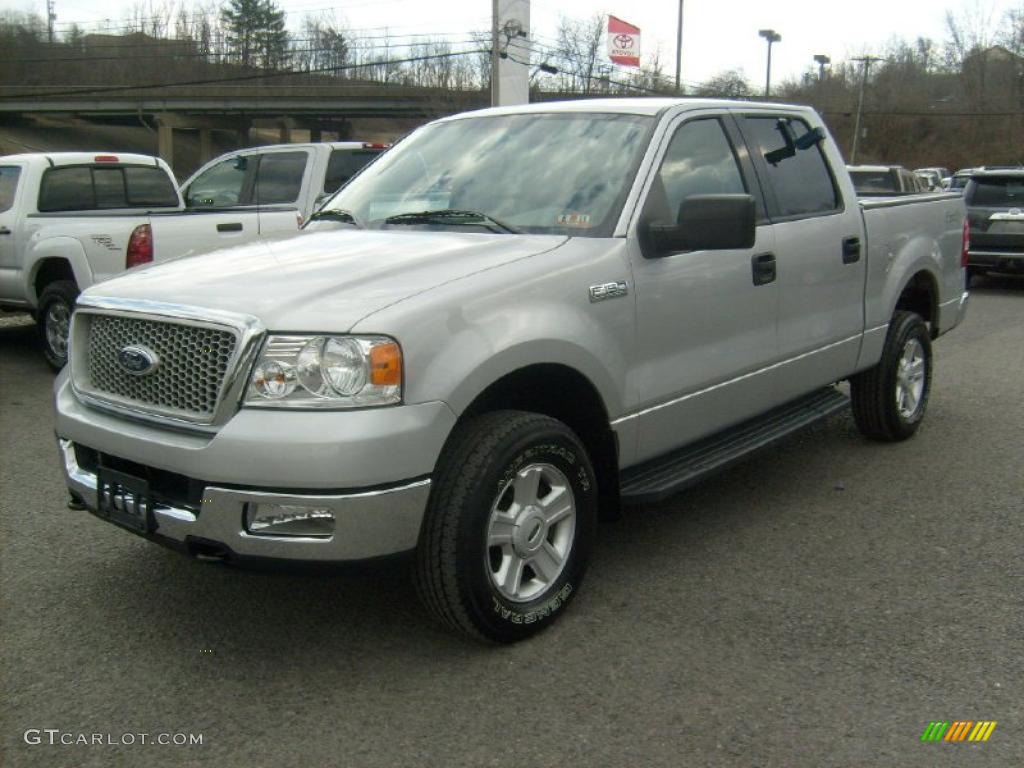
[(386, 365)]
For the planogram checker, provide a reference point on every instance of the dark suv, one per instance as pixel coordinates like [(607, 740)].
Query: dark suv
[(995, 207)]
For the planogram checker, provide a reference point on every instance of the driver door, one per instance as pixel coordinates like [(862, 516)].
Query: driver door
[(706, 320)]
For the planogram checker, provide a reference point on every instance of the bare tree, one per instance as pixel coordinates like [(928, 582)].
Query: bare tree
[(579, 47)]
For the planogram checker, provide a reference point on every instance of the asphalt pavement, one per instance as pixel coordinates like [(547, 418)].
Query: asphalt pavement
[(817, 605)]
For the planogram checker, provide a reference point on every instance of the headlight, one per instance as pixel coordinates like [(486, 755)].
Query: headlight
[(326, 372)]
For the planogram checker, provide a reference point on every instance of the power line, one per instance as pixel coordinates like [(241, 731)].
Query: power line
[(85, 58), (242, 78)]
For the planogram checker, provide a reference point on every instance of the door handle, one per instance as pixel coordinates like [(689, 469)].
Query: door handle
[(851, 250), (233, 227), (763, 268), (4, 231)]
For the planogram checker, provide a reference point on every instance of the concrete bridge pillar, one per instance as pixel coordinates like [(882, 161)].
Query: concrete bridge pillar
[(205, 145), (165, 142)]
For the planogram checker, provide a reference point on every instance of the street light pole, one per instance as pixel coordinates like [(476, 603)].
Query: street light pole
[(867, 61), (495, 55), (772, 37), (679, 47)]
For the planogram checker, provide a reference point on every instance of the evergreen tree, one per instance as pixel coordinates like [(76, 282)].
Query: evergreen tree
[(256, 33)]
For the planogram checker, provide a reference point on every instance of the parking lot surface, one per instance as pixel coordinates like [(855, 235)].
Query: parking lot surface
[(817, 605)]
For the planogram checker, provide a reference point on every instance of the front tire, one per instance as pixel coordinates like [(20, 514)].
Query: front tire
[(509, 526), (889, 400), (53, 321)]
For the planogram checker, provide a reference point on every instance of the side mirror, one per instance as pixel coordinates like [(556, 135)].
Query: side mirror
[(704, 223)]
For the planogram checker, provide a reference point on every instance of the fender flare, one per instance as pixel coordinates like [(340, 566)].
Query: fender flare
[(64, 248)]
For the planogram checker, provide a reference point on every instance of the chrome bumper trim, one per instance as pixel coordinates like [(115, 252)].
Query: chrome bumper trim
[(367, 523)]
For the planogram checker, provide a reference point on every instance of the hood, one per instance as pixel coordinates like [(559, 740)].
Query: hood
[(322, 281)]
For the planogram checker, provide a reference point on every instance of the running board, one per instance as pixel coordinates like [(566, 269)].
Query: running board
[(660, 478)]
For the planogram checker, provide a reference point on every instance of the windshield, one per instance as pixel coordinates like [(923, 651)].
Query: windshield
[(556, 173), (1005, 191)]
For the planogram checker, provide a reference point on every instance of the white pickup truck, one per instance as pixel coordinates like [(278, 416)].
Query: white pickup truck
[(69, 220), (516, 318)]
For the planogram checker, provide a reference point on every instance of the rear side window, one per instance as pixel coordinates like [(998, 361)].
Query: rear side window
[(798, 174), (150, 187), (8, 185), (67, 189), (343, 166), (91, 188), (1007, 191), (873, 181), (279, 178)]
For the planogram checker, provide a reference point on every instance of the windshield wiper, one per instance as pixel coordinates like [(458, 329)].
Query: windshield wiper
[(336, 215), (452, 216)]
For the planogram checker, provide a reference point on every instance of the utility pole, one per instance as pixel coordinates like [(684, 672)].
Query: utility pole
[(866, 61), (51, 16), (495, 101), (679, 48), (822, 60), (772, 37)]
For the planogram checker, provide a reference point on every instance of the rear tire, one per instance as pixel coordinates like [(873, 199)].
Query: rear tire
[(53, 321), (889, 400), (509, 526)]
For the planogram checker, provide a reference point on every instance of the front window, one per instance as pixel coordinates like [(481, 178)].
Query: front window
[(544, 173)]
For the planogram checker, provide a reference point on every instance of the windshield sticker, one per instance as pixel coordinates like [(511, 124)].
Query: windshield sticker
[(574, 220)]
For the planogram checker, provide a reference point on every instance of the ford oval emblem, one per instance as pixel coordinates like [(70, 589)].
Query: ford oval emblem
[(137, 360)]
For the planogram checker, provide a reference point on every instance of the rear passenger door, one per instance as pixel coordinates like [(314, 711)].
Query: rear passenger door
[(705, 319), (818, 248)]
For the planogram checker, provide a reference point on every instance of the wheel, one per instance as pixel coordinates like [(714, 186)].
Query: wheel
[(508, 528), (889, 400), (53, 320)]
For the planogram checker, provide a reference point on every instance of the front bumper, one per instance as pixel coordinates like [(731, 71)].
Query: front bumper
[(368, 524), (369, 468)]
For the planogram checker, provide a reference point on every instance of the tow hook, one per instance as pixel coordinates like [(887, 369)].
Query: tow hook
[(207, 551)]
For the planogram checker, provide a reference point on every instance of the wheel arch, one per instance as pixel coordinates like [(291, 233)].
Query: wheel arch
[(55, 259), (920, 294), (564, 393)]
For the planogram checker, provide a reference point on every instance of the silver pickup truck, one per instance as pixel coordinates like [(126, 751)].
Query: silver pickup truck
[(516, 320)]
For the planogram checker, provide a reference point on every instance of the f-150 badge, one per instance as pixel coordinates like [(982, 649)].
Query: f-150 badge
[(608, 291)]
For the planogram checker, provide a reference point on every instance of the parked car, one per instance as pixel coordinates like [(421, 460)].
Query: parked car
[(884, 180), (71, 219), (295, 177), (937, 173), (995, 207), (514, 320), (930, 180), (959, 180)]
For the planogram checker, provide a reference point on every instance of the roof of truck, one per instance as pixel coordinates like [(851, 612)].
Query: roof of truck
[(635, 106), (84, 158)]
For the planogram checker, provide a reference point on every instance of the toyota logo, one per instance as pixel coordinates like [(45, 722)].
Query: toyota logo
[(623, 41), (137, 360)]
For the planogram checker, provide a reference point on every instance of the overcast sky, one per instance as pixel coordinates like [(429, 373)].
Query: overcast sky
[(717, 34)]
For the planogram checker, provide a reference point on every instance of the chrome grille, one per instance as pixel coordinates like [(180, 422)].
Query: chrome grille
[(194, 362)]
